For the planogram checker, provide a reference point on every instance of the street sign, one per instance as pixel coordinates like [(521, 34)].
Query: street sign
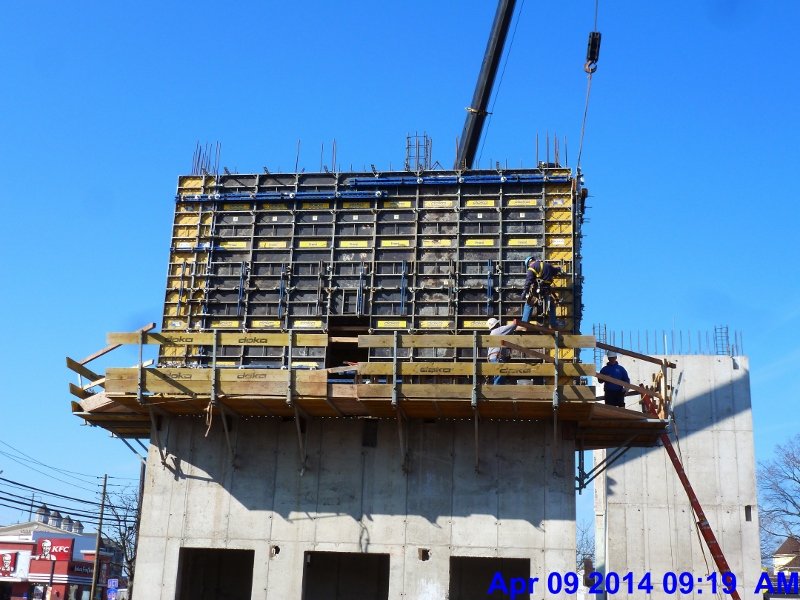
[(113, 584)]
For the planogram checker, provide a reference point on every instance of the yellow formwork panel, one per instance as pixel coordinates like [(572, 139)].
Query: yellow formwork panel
[(182, 257), (173, 311), (313, 244), (528, 241), (564, 310), (176, 268), (559, 227), (480, 203), (397, 204), (439, 203), (265, 324), (558, 214), (435, 324), (523, 202), (558, 188), (306, 324), (393, 324), (438, 242), (187, 218), (557, 254), (480, 242), (225, 323), (558, 241), (356, 204), (234, 244), (191, 231), (174, 324), (196, 184), (558, 200)]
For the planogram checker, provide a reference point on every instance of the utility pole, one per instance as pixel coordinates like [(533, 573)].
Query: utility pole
[(97, 541)]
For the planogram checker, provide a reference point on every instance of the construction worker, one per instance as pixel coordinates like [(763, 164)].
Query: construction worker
[(615, 393), (499, 354), (539, 277)]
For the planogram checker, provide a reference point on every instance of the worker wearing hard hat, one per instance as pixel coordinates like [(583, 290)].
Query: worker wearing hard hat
[(614, 393), (499, 354), (539, 277)]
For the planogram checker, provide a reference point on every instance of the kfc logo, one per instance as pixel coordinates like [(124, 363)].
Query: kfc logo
[(60, 549), (8, 564)]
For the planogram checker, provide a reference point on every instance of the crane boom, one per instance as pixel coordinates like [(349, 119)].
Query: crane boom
[(476, 113)]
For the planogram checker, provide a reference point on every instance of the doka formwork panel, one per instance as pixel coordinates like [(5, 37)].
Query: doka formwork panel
[(435, 230)]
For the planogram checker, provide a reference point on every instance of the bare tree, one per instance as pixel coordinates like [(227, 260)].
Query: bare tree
[(584, 542), (779, 487), (122, 513)]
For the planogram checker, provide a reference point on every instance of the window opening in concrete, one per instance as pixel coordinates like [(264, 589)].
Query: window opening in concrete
[(274, 551), (748, 513), (345, 576), (209, 574), (424, 554), (471, 577)]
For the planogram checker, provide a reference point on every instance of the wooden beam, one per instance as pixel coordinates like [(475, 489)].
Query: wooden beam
[(225, 339), (344, 369), (632, 354), (630, 386), (464, 369), (79, 391), (78, 368), (113, 346), (484, 341), (528, 352)]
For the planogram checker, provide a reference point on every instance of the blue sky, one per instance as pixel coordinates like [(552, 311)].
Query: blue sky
[(689, 156)]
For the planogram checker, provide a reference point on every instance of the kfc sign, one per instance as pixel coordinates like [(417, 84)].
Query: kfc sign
[(8, 564), (54, 549)]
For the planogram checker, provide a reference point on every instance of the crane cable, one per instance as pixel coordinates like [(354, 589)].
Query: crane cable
[(590, 66)]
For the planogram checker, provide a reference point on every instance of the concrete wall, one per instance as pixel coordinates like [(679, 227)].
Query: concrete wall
[(645, 508), (353, 498)]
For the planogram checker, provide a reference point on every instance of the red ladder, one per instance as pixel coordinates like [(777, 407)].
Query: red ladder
[(702, 522)]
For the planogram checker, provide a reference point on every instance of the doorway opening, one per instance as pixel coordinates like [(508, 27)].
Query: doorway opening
[(345, 576), (209, 574), (471, 577)]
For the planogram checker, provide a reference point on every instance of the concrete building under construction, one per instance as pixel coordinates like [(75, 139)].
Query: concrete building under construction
[(320, 415)]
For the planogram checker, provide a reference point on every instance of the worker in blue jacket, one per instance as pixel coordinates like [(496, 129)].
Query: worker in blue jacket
[(539, 277), (615, 393)]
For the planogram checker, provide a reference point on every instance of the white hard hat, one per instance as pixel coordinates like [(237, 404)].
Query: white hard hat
[(611, 354), (492, 323)]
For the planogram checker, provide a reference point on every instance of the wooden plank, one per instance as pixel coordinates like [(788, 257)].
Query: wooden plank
[(113, 346), (451, 392), (225, 339), (484, 341), (630, 386), (632, 354), (74, 365), (464, 369), (345, 369), (528, 352), (79, 391)]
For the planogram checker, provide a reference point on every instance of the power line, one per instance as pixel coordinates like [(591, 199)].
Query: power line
[(70, 483), (90, 517), (38, 462)]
